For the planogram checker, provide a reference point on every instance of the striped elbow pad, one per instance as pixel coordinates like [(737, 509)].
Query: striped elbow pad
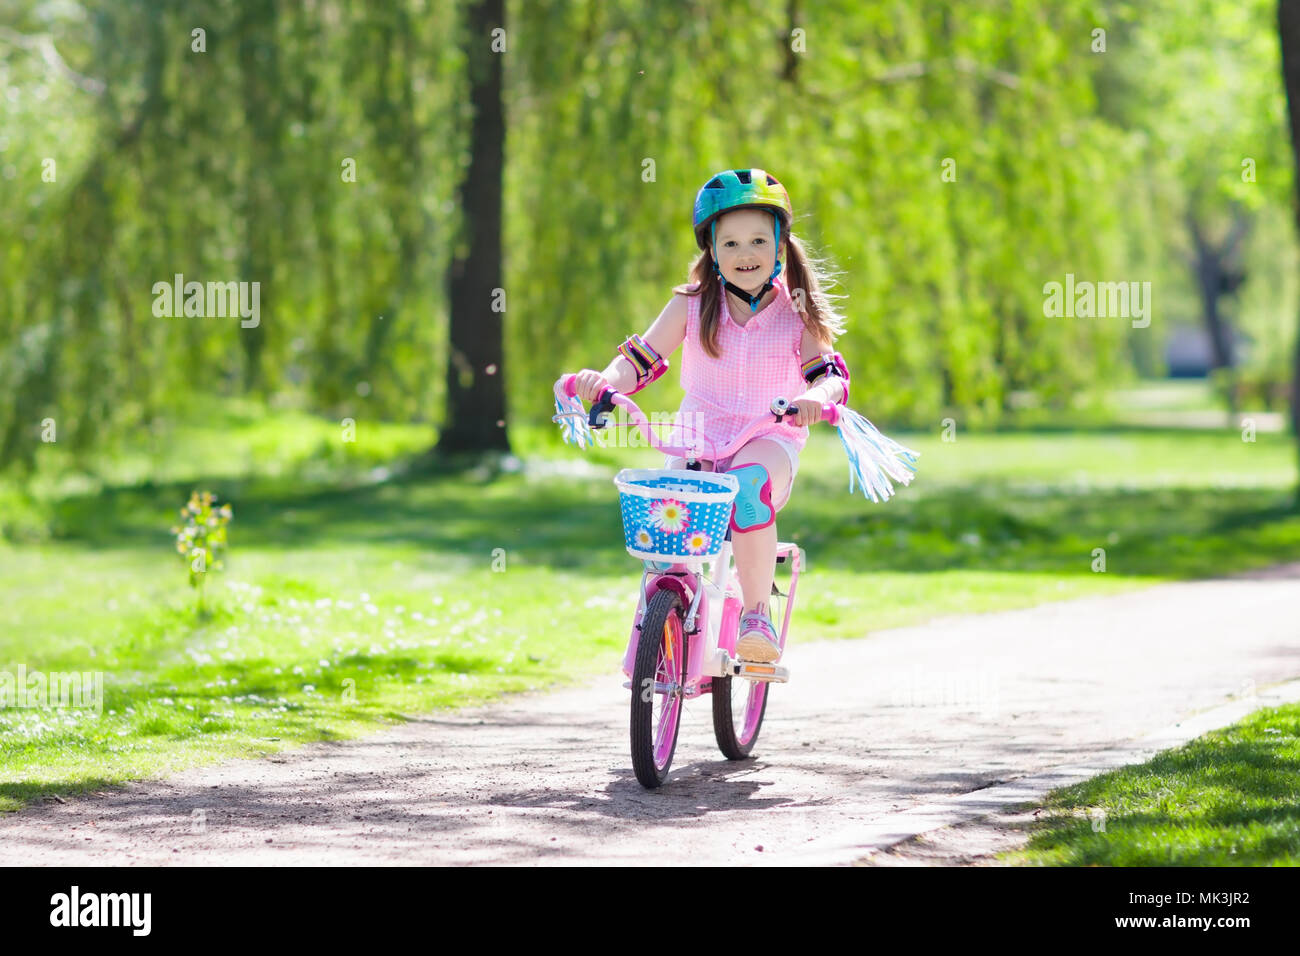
[(828, 363), (648, 363)]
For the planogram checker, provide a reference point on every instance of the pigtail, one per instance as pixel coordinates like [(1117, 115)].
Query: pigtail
[(809, 275), (704, 283)]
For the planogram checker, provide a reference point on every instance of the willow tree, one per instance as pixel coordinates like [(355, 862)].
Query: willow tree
[(310, 148)]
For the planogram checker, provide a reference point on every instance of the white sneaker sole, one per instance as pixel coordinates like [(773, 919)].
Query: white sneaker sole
[(757, 648)]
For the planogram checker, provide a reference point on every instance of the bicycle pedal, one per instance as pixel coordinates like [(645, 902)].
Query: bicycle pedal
[(759, 671)]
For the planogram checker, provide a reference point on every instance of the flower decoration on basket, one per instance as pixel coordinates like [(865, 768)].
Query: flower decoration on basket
[(697, 542), (669, 514)]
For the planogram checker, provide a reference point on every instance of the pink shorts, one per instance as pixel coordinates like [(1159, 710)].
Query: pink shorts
[(779, 500)]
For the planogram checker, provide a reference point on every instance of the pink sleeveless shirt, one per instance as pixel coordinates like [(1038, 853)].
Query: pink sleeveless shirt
[(760, 361)]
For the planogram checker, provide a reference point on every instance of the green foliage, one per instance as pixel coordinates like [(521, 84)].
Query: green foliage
[(224, 165), (1267, 308), (231, 164), (1196, 86)]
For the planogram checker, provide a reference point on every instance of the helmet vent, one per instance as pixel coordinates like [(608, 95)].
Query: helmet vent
[(714, 183), (743, 176), (771, 180)]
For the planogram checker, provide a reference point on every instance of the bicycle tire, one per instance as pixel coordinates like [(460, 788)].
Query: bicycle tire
[(738, 746), (660, 659)]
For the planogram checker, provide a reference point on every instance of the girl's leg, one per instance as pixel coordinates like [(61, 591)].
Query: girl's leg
[(792, 456), (755, 551)]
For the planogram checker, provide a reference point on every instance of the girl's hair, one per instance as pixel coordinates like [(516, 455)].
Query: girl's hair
[(801, 272)]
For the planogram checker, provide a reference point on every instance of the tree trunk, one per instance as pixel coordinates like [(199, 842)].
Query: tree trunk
[(1209, 280), (1216, 276), (1288, 22), (475, 395), (790, 71)]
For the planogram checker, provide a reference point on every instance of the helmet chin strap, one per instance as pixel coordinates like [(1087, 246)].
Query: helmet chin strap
[(740, 293)]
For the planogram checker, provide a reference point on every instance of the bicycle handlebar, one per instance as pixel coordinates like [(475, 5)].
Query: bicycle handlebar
[(611, 398)]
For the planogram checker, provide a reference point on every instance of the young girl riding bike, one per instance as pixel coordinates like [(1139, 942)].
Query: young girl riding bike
[(754, 325)]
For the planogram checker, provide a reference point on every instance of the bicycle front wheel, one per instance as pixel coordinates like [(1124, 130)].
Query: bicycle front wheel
[(657, 688)]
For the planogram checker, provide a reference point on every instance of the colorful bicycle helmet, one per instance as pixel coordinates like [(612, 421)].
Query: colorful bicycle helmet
[(741, 189)]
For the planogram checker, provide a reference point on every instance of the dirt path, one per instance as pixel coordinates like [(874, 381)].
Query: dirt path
[(873, 742)]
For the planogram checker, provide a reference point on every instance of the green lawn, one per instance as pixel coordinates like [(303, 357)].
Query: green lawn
[(349, 600), (1229, 798)]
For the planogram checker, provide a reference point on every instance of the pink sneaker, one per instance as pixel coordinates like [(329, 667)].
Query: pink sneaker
[(758, 639)]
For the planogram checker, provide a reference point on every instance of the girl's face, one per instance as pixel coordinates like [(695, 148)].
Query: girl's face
[(747, 247)]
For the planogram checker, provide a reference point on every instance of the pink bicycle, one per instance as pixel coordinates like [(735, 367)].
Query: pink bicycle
[(683, 638)]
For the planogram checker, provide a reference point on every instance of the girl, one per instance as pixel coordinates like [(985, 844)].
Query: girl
[(747, 340)]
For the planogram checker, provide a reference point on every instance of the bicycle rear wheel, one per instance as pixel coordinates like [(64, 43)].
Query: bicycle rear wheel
[(739, 706), (738, 709), (657, 688)]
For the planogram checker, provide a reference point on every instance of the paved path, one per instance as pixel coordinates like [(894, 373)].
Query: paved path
[(910, 719)]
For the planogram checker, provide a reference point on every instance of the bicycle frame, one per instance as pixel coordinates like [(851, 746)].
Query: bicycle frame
[(703, 591)]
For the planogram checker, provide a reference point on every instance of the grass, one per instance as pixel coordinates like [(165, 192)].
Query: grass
[(1182, 395), (1229, 798), (289, 660), (349, 601)]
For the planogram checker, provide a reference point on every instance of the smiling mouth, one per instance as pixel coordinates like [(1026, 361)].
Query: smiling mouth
[(746, 268)]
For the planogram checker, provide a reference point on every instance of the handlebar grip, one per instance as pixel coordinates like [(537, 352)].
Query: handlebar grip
[(830, 412), (603, 404)]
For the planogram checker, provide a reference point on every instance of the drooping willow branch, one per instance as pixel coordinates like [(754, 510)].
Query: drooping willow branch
[(43, 44)]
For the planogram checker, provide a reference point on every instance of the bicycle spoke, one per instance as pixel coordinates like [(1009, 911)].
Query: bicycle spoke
[(664, 725), (661, 729), (664, 676), (668, 666)]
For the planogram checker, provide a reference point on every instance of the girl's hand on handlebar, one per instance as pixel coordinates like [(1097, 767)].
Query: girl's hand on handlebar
[(589, 384), (809, 411)]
